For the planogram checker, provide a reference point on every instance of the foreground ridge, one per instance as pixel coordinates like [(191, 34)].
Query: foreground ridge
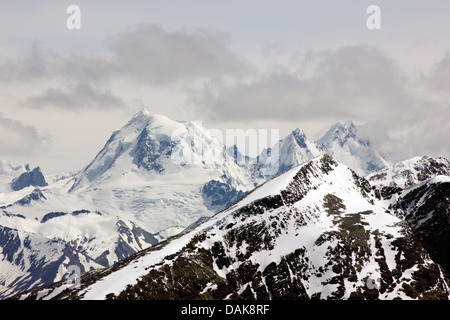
[(317, 231), (154, 178)]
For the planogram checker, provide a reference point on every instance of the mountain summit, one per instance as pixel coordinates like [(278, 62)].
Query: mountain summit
[(164, 173), (289, 152), (317, 231), (154, 178), (344, 143)]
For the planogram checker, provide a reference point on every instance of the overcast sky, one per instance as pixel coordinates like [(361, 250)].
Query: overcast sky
[(230, 64)]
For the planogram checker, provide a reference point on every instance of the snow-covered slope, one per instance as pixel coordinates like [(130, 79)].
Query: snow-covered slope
[(418, 190), (410, 172), (153, 178), (344, 143), (164, 173), (286, 154), (317, 231), (8, 172), (341, 141)]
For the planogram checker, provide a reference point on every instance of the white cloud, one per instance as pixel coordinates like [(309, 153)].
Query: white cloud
[(19, 139), (75, 97), (146, 53), (359, 83), (149, 53), (356, 82)]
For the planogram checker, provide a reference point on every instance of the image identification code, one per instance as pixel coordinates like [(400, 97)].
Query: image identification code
[(240, 309)]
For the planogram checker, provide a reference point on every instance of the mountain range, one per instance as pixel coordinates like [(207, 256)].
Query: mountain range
[(156, 179), (317, 231)]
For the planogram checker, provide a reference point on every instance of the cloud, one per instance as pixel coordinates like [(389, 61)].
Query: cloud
[(356, 82), (140, 56), (439, 79), (145, 53), (75, 97), (31, 65), (18, 139), (151, 54), (359, 83)]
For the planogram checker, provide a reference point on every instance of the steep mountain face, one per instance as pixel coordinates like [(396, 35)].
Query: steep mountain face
[(410, 172), (36, 252), (286, 154), (153, 178), (164, 172), (418, 190), (318, 231), (29, 178), (343, 143), (427, 210)]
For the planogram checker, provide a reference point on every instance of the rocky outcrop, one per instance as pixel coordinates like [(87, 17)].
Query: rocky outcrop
[(29, 178)]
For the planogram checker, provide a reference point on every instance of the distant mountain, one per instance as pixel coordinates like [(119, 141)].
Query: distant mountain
[(317, 231), (344, 143), (154, 178), (163, 172), (36, 252), (8, 172), (410, 172), (29, 178), (286, 154)]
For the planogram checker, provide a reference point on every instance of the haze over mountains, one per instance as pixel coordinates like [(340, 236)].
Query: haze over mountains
[(156, 177)]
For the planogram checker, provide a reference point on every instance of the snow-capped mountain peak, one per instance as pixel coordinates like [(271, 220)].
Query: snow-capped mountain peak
[(167, 176), (159, 125), (299, 137), (313, 232), (286, 154), (144, 138), (345, 144), (163, 172), (340, 133), (410, 172)]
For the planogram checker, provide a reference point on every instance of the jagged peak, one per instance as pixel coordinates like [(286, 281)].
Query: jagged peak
[(348, 124), (145, 117), (300, 138), (348, 128), (298, 133), (294, 182), (411, 171), (143, 112), (341, 133)]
